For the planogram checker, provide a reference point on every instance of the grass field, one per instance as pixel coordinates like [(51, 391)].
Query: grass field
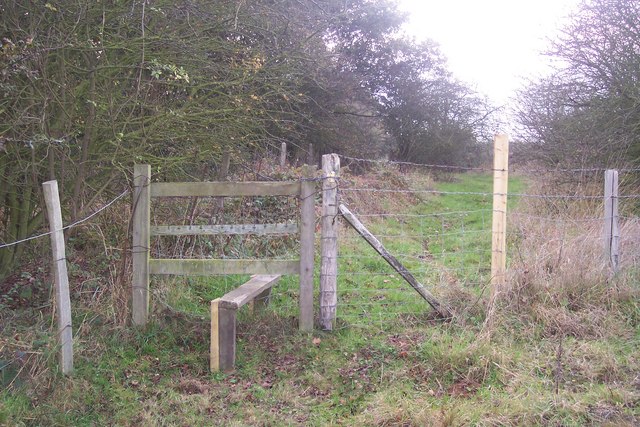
[(563, 352)]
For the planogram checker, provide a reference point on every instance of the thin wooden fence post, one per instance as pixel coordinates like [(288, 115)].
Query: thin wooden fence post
[(611, 220), (329, 242), (283, 154), (141, 244), (499, 223), (311, 158), (307, 240), (61, 278), (223, 170)]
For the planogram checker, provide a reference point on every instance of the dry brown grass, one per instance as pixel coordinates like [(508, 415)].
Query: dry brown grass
[(559, 277), (382, 178)]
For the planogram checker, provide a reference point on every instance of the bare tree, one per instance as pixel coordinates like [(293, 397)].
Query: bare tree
[(588, 112)]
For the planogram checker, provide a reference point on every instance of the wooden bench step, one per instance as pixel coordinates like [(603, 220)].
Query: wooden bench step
[(249, 291), (223, 319)]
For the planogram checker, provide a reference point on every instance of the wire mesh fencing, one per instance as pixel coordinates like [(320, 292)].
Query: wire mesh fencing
[(442, 232)]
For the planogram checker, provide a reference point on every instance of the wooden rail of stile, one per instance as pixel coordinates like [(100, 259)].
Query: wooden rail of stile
[(223, 318), (266, 271)]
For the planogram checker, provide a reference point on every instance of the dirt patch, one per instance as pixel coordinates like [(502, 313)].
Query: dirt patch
[(192, 386), (463, 388)]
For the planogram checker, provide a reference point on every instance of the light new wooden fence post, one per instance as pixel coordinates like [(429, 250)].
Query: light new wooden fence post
[(611, 220), (141, 244), (307, 240), (499, 227), (329, 242), (61, 278), (283, 154)]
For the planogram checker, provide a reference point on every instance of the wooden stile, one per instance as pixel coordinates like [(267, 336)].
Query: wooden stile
[(214, 352), (223, 310), (249, 291)]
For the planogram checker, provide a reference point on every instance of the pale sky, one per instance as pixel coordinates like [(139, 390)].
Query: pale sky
[(491, 44)]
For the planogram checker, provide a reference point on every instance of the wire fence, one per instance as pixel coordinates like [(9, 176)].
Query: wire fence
[(67, 227), (442, 232)]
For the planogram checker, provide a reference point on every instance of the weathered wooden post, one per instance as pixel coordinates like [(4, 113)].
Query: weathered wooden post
[(61, 278), (499, 227), (311, 159), (307, 240), (223, 337), (223, 170), (329, 241), (141, 244), (611, 219), (283, 154)]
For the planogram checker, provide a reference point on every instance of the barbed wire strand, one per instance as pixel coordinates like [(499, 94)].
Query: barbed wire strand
[(6, 245), (481, 169), (477, 193)]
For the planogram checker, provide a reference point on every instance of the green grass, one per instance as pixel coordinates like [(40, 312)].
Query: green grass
[(379, 367), (444, 239)]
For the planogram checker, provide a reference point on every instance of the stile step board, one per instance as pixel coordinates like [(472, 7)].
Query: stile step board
[(223, 319), (248, 291)]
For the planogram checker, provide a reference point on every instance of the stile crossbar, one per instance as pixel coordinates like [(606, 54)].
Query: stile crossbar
[(144, 265)]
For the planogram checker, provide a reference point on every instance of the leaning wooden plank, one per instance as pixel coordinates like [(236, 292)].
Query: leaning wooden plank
[(442, 310), (248, 291), (206, 267), (255, 229), (224, 189)]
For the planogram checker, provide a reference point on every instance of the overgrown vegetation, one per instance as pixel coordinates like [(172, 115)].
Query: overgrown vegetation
[(89, 88)]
